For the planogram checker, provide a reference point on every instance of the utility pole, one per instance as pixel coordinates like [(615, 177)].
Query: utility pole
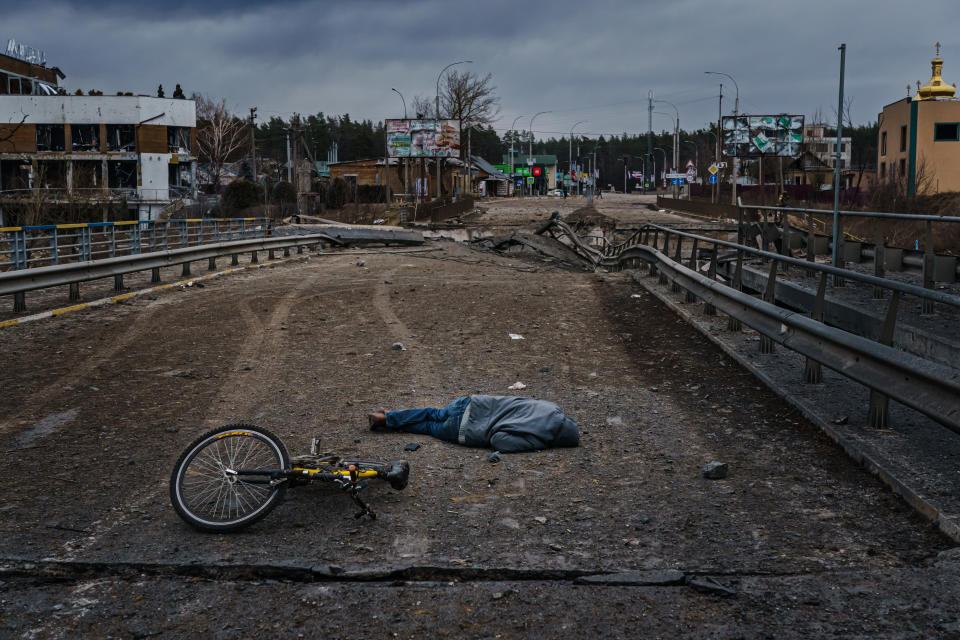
[(253, 144), (715, 192), (650, 133), (836, 167)]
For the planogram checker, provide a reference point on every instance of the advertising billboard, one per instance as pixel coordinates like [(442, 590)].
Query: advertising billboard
[(427, 138), (751, 136)]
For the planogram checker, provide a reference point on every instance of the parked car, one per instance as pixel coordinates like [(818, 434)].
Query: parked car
[(555, 192)]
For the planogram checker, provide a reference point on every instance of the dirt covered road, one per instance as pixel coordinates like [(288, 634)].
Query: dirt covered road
[(98, 404)]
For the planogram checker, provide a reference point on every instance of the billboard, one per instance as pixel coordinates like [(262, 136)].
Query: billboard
[(751, 136), (427, 138)]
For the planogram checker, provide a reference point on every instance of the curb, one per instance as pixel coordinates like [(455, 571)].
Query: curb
[(870, 460)]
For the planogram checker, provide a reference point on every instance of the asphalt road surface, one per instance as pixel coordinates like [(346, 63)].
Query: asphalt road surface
[(97, 404)]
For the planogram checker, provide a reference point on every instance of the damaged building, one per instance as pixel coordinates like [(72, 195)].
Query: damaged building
[(136, 153)]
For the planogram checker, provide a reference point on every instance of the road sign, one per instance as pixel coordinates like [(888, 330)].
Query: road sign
[(678, 181), (713, 179), (722, 165), (691, 174), (713, 169), (537, 171), (690, 165), (529, 162), (529, 180), (676, 176)]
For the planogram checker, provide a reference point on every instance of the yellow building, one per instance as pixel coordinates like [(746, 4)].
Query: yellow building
[(920, 137)]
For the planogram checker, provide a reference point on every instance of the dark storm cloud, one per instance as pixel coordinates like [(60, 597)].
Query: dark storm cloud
[(594, 61)]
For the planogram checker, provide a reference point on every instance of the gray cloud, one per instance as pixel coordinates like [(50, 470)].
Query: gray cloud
[(580, 60)]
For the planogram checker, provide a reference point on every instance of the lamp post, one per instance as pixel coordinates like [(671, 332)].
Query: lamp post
[(406, 163), (676, 135), (513, 143), (570, 153), (696, 155), (656, 186), (736, 112), (716, 158), (530, 147), (439, 186)]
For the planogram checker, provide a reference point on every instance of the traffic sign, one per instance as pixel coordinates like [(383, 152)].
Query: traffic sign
[(537, 171), (713, 179), (690, 165), (691, 174), (722, 165), (713, 169), (676, 176), (529, 162), (529, 180)]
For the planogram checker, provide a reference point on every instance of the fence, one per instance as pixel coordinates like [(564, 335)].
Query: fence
[(43, 245)]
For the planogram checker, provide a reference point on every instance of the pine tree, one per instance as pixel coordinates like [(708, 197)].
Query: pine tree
[(160, 91), (178, 93)]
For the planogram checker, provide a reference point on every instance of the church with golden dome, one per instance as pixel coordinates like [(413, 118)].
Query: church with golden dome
[(920, 137)]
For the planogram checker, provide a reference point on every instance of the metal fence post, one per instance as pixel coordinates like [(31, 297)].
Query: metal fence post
[(811, 242), (675, 286), (812, 371), (767, 344), (733, 324), (929, 261), (135, 239), (85, 248), (709, 309), (838, 251), (879, 257), (879, 414), (693, 267), (54, 250)]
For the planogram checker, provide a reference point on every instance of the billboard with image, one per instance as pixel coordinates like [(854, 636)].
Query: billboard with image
[(752, 136), (426, 138)]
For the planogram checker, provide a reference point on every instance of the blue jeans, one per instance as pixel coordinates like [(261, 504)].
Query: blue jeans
[(440, 423)]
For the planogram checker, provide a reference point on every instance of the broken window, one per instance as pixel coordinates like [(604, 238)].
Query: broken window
[(50, 137), (86, 137), (178, 139), (178, 175), (51, 174), (121, 137), (86, 174), (122, 174)]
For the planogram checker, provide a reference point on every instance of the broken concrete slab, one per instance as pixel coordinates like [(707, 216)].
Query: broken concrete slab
[(660, 578), (349, 234)]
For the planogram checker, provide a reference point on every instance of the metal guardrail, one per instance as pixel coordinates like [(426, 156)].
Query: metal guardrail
[(17, 283), (927, 387), (43, 245)]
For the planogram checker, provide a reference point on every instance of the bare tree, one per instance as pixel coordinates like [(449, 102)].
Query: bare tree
[(7, 132), (422, 107), (471, 99), (220, 135)]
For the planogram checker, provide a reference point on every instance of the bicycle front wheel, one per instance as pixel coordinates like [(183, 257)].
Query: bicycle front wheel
[(215, 485)]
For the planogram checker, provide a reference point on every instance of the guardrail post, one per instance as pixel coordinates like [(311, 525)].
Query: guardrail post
[(763, 235), (234, 259), (926, 306), (186, 269), (879, 415), (838, 280), (693, 267), (85, 244), (879, 270), (118, 282), (785, 239), (155, 275), (74, 294), (709, 309), (19, 302), (811, 242), (286, 252), (675, 286), (54, 251), (767, 344), (733, 324), (812, 371), (270, 254), (254, 258), (300, 249), (212, 264)]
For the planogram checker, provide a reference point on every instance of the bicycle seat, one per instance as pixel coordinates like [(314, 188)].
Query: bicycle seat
[(398, 474)]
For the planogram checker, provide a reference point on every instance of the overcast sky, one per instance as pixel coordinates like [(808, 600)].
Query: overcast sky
[(584, 60)]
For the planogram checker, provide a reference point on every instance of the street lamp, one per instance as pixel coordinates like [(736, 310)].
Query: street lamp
[(676, 136), (439, 186), (696, 152), (655, 186), (570, 154), (406, 163), (736, 112), (530, 147), (513, 143)]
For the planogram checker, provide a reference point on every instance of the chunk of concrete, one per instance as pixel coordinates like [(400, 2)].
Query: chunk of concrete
[(715, 470)]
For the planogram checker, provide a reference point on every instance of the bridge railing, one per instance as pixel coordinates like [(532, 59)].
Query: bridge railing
[(928, 387), (34, 246)]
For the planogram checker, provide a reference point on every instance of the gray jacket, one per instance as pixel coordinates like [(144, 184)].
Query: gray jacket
[(516, 423)]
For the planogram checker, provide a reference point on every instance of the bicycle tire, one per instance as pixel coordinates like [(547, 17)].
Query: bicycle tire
[(208, 498)]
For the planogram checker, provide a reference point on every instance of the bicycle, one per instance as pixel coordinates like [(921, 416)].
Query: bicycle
[(233, 476)]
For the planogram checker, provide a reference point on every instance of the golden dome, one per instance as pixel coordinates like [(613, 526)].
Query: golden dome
[(936, 88)]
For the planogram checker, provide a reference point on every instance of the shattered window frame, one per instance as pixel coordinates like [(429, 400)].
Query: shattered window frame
[(122, 174), (121, 137), (85, 137), (178, 139), (50, 137)]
